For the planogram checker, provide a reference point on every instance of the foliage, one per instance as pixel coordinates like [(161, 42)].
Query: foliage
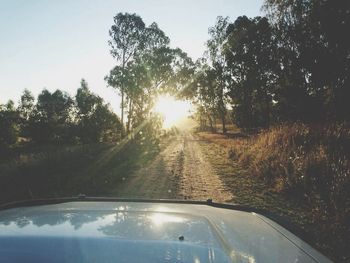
[(145, 67), (95, 121), (288, 66), (313, 44), (51, 118), (204, 85), (249, 55), (25, 110), (127, 39), (9, 123), (215, 52), (49, 171), (57, 118)]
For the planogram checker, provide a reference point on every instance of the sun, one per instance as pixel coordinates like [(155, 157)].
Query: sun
[(173, 111)]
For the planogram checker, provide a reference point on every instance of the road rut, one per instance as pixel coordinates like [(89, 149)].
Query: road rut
[(179, 171)]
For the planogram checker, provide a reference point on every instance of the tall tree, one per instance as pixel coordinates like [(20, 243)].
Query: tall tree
[(131, 40), (203, 87), (215, 46), (9, 123), (152, 68), (52, 118), (314, 53), (127, 38), (25, 110), (26, 104), (251, 67), (95, 121)]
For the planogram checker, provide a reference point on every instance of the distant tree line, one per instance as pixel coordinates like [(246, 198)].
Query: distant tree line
[(292, 65), (146, 66), (55, 117)]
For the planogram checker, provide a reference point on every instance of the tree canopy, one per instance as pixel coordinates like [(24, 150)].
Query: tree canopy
[(288, 66)]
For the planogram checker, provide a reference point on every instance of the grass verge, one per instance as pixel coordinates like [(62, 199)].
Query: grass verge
[(295, 170)]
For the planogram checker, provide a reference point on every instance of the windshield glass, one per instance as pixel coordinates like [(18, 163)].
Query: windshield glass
[(243, 102)]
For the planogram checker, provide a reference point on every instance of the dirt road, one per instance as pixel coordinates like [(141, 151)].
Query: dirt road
[(180, 171)]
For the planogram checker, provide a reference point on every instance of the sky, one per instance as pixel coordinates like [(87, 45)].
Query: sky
[(54, 44)]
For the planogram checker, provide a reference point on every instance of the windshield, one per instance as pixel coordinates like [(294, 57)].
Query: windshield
[(243, 102)]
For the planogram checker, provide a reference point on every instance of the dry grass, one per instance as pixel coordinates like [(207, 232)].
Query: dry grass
[(308, 164)]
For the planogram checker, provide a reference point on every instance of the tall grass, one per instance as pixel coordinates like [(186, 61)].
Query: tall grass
[(310, 163)]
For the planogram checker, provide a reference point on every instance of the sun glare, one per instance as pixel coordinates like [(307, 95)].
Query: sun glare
[(172, 110)]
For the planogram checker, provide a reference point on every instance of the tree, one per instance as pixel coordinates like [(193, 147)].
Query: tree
[(95, 121), (52, 118), (314, 55), (204, 85), (152, 68), (215, 46), (127, 39), (252, 70), (25, 110), (26, 104), (9, 123)]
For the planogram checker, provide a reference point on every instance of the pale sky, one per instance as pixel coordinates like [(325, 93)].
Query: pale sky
[(54, 44)]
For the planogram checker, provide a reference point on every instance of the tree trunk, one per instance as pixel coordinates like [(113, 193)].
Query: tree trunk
[(214, 122), (223, 123), (211, 124), (222, 106), (268, 110), (222, 112), (122, 107), (122, 93), (129, 116)]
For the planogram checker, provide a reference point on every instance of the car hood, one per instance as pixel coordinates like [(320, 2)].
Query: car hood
[(145, 232)]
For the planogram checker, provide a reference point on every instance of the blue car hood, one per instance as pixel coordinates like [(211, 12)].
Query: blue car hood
[(145, 232)]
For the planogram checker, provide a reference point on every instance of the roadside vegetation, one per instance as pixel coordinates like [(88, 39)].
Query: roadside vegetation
[(59, 145), (271, 92), (94, 169), (283, 82), (296, 170)]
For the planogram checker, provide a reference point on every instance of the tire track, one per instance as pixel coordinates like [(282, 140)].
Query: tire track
[(180, 171), (199, 180)]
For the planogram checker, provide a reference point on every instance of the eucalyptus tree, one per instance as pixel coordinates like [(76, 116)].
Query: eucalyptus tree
[(203, 87), (137, 82), (183, 70), (26, 105), (169, 69), (52, 117), (216, 57), (314, 50), (252, 70), (25, 110), (152, 67), (127, 39), (158, 71), (130, 41), (95, 121), (9, 128)]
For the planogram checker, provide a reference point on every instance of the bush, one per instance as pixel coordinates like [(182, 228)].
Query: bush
[(9, 128)]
